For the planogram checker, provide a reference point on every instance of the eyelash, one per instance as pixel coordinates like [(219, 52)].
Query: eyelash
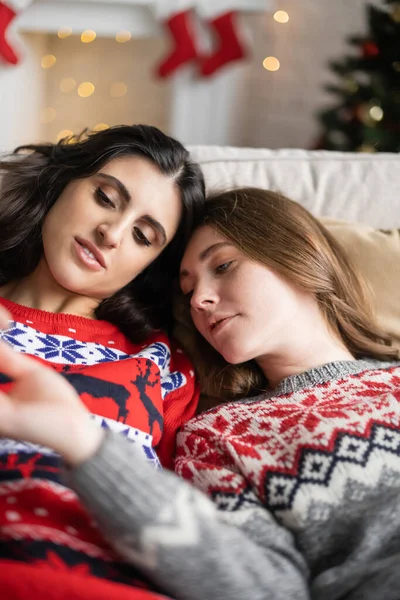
[(220, 270), (103, 198), (138, 233), (141, 238)]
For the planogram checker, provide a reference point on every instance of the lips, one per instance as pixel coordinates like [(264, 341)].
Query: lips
[(93, 249), (216, 323)]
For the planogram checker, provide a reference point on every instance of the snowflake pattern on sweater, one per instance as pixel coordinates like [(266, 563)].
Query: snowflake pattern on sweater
[(142, 392), (323, 460)]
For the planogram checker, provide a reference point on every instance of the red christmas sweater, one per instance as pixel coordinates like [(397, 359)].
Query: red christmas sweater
[(145, 392)]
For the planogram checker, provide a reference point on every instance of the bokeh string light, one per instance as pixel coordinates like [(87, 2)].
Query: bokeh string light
[(271, 63), (88, 36), (281, 16), (123, 36), (67, 84), (100, 127), (118, 89), (48, 61), (65, 133), (64, 32), (86, 89)]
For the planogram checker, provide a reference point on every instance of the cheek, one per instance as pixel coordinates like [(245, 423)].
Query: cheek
[(125, 271), (132, 262), (198, 322), (60, 222), (195, 318)]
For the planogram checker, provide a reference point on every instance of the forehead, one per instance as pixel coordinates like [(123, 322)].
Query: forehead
[(137, 172), (149, 188), (204, 237), (204, 244)]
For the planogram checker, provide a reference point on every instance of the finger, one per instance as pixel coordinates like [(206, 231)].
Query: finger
[(5, 402), (13, 364), (7, 415), (4, 318)]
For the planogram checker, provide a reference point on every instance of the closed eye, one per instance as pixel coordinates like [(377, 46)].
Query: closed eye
[(140, 237), (103, 199)]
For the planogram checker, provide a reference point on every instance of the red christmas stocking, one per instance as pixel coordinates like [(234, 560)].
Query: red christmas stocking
[(7, 15), (181, 28), (230, 47)]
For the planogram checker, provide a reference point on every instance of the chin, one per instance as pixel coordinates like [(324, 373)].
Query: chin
[(233, 357), (236, 354), (70, 280)]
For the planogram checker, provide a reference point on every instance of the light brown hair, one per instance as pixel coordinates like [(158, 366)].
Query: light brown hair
[(282, 235)]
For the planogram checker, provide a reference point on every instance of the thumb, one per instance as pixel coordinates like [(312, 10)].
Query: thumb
[(4, 317), (6, 406)]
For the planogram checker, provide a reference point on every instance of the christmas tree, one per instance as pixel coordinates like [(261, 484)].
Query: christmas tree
[(367, 117)]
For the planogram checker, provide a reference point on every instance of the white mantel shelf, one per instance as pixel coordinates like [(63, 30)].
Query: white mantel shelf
[(202, 110), (106, 17)]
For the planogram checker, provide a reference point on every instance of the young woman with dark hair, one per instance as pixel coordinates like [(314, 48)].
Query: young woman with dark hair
[(34, 178), (92, 234), (298, 460)]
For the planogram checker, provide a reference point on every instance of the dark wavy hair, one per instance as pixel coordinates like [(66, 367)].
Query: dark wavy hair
[(33, 178)]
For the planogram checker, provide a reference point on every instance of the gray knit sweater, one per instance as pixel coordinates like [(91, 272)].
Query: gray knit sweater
[(303, 493)]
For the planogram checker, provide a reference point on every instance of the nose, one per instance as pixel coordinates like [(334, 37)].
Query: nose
[(203, 298), (111, 234)]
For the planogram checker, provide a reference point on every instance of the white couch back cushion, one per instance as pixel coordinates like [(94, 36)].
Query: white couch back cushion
[(356, 187)]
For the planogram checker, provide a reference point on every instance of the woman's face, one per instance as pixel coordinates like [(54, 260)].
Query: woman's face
[(242, 308), (105, 229)]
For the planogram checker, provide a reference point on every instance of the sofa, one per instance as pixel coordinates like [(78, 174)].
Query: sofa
[(357, 196)]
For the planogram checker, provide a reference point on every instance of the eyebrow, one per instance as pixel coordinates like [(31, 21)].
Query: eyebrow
[(206, 254), (158, 227), (123, 190)]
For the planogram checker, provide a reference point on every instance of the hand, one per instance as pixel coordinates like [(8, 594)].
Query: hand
[(43, 408)]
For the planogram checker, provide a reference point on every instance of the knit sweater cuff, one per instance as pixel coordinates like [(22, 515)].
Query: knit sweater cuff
[(105, 489)]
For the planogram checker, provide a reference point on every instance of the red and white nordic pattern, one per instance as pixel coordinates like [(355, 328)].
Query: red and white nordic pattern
[(299, 449)]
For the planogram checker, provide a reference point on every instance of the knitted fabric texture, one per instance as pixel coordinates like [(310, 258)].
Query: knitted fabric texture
[(300, 499), (321, 454), (141, 392)]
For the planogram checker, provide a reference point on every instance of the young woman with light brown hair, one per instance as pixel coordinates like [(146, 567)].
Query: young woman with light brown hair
[(284, 237), (299, 466)]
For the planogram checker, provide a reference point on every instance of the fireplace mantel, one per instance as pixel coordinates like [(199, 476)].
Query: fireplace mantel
[(104, 16), (203, 110)]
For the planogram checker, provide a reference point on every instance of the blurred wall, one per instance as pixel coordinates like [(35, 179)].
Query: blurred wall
[(281, 105), (265, 109), (109, 66), (22, 94)]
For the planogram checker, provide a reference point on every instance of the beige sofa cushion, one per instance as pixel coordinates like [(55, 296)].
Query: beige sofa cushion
[(377, 254), (360, 187)]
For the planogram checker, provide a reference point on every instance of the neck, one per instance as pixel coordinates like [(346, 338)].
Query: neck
[(302, 355), (38, 291)]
